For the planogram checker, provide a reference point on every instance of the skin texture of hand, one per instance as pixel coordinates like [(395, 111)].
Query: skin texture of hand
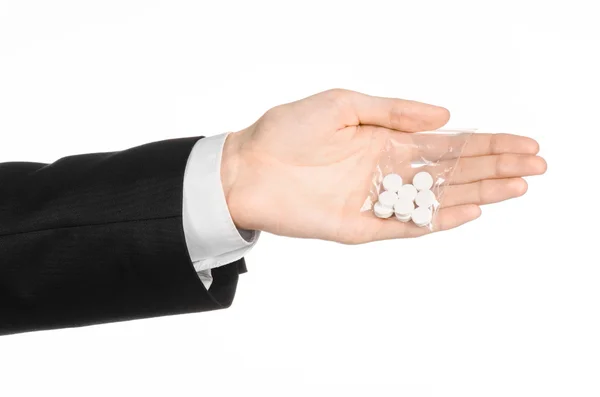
[(304, 169)]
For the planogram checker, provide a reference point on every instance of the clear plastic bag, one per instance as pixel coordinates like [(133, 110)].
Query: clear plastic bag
[(408, 154)]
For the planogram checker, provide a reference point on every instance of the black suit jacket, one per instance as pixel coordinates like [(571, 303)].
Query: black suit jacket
[(99, 238)]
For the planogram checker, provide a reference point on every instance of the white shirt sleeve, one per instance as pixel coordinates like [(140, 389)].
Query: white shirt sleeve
[(210, 234)]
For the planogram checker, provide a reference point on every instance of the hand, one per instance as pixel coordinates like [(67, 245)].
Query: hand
[(304, 168)]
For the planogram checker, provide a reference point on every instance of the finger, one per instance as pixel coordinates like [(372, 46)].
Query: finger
[(392, 113), (427, 148), (449, 218), (448, 146), (487, 144), (445, 219), (472, 169), (483, 192)]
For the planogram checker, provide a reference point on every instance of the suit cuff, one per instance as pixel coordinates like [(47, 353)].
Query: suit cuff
[(211, 236)]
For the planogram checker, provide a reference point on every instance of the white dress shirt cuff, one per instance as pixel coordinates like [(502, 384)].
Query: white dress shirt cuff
[(211, 236)]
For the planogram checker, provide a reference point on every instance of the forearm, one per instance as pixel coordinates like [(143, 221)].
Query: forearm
[(97, 238)]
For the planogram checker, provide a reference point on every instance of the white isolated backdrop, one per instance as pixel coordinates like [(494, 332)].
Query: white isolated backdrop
[(507, 305)]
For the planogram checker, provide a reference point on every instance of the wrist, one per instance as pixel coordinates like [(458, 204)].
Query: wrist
[(231, 160)]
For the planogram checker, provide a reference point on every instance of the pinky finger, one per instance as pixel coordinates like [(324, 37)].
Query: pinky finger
[(451, 217)]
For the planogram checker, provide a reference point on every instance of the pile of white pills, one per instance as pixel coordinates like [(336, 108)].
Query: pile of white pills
[(407, 201)]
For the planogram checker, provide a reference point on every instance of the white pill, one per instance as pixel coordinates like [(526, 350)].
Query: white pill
[(403, 218), (425, 198), (404, 207), (392, 182), (421, 216), (382, 211), (408, 192), (423, 181), (388, 199)]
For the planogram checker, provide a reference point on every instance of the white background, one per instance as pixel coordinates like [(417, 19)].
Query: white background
[(508, 305)]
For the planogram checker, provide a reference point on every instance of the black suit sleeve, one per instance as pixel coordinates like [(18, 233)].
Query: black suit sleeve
[(99, 238)]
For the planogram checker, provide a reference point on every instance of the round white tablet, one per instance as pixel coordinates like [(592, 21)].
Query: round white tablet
[(404, 207), (421, 216), (425, 198), (392, 182), (423, 181), (403, 218), (388, 199), (382, 211), (408, 192)]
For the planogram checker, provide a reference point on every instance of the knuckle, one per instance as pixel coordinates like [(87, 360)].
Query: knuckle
[(337, 95), (496, 142), (274, 111), (480, 195), (458, 170), (336, 92), (503, 162), (273, 116)]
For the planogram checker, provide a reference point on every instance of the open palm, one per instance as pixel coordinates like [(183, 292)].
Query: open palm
[(305, 168)]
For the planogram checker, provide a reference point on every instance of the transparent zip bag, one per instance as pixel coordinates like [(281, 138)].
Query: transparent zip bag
[(412, 175)]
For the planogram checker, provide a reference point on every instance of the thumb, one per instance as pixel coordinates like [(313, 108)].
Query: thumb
[(393, 113)]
